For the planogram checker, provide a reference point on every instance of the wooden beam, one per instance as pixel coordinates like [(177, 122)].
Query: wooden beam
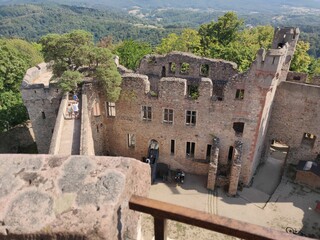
[(161, 210)]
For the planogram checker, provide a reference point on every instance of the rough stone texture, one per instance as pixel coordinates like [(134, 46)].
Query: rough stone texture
[(235, 168), (297, 77), (42, 101), (295, 112), (79, 197), (213, 165), (58, 127)]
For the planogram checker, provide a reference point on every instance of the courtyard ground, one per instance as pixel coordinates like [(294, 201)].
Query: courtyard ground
[(272, 201)]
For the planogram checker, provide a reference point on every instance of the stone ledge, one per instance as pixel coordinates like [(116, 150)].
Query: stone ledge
[(79, 197)]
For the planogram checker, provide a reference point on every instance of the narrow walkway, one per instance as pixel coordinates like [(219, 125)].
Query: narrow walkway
[(70, 137)]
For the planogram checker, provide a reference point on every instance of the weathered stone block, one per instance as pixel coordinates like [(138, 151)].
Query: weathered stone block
[(87, 197)]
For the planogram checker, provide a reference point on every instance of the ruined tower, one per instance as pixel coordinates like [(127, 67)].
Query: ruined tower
[(42, 102)]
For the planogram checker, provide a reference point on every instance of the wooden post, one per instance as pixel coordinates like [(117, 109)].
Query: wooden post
[(160, 228)]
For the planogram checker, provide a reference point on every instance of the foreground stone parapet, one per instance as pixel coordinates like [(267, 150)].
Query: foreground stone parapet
[(74, 197)]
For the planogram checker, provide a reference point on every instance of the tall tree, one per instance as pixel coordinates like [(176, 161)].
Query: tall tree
[(301, 59), (131, 52), (187, 41), (75, 55), (224, 31), (15, 57)]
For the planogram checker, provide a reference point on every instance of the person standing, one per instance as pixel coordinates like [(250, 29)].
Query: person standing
[(69, 110), (75, 108)]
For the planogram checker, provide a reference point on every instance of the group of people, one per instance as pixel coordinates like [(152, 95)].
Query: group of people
[(73, 108)]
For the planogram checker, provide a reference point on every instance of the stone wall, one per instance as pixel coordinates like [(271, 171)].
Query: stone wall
[(212, 118), (295, 112), (76, 197), (58, 128), (42, 102)]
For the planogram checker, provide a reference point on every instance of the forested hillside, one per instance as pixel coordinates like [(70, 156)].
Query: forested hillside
[(33, 21), (243, 6)]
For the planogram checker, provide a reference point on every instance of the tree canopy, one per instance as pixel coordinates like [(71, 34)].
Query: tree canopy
[(75, 55), (131, 52), (16, 56)]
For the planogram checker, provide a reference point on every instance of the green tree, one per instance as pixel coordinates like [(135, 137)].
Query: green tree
[(15, 57), (68, 51), (111, 81), (69, 80), (187, 41), (301, 59), (224, 31), (131, 52), (75, 55)]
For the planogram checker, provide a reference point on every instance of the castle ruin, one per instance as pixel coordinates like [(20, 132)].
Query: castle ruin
[(206, 117)]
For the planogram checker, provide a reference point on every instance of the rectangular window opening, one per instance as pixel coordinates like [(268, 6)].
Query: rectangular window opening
[(131, 140), (168, 116), (238, 128), (308, 139), (190, 148), (172, 67), (240, 94), (208, 155), (204, 70), (185, 67), (111, 109), (172, 147), (193, 91), (146, 113), (191, 118), (218, 90)]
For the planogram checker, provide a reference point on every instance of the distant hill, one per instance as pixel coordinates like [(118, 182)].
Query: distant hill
[(30, 21), (270, 6)]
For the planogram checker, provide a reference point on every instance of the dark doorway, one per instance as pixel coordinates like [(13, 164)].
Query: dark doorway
[(230, 155), (163, 72)]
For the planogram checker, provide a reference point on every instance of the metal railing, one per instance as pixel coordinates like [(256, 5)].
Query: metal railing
[(162, 211)]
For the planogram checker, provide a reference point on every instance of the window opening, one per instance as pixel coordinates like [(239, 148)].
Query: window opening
[(43, 115), (185, 67), (297, 78), (240, 94), (273, 60), (308, 139), (193, 91), (204, 70), (208, 155), (146, 113), (172, 67), (131, 140), (218, 90), (172, 147), (230, 155), (238, 128), (168, 116), (190, 149), (191, 117), (163, 72), (111, 109)]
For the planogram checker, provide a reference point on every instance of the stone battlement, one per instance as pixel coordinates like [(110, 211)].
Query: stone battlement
[(37, 77), (78, 197)]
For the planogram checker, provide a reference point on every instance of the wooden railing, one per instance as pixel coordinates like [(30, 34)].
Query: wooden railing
[(162, 211)]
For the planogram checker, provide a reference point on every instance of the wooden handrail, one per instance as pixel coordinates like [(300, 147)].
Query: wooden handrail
[(162, 211)]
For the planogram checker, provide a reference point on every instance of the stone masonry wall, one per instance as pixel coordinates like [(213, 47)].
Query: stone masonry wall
[(42, 102), (213, 118), (294, 113), (75, 197)]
